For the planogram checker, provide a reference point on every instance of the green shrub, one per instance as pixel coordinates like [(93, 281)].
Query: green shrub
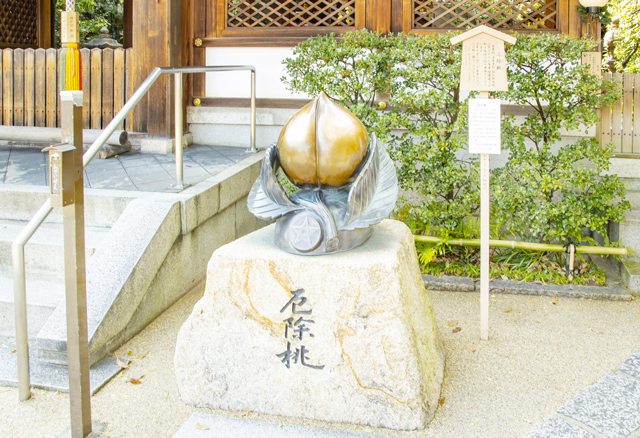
[(349, 68), (428, 106), (545, 192)]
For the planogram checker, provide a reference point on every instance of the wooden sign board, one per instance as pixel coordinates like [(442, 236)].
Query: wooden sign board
[(484, 65), (484, 126), (69, 29), (594, 60)]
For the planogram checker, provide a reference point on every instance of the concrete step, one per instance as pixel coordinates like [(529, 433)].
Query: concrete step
[(630, 273), (102, 207), (633, 184), (43, 295), (220, 126), (634, 198), (45, 250), (628, 232)]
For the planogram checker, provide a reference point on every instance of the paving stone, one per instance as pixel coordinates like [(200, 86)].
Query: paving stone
[(449, 283), (231, 150), (134, 171), (610, 406), (201, 425), (52, 377), (557, 428), (103, 166), (631, 366), (157, 186)]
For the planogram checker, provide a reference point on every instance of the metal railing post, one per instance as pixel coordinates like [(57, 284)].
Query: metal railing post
[(180, 184), (252, 142), (22, 335), (19, 282)]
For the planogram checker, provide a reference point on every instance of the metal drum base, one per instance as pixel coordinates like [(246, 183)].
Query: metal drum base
[(301, 233)]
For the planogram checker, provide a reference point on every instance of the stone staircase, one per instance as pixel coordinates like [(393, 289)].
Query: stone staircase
[(144, 251), (44, 264)]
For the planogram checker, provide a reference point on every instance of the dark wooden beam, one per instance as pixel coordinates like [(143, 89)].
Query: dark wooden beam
[(127, 24), (45, 29)]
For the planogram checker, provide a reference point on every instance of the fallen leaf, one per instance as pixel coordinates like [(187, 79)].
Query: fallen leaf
[(4, 389), (473, 350), (201, 426), (122, 364), (540, 282), (456, 330), (441, 401), (13, 351), (451, 323), (137, 380), (555, 301), (143, 354), (638, 314), (129, 353), (507, 310)]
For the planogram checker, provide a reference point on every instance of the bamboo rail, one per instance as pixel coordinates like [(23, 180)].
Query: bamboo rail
[(527, 245)]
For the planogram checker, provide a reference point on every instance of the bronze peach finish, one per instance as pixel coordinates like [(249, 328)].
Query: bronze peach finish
[(322, 144)]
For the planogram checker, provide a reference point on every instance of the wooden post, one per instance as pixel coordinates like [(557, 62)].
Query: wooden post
[(157, 35), (485, 167), (484, 69), (75, 272)]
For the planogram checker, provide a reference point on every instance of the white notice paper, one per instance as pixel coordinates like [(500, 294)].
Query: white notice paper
[(484, 126)]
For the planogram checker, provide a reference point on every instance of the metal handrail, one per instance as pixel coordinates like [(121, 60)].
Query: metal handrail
[(17, 248)]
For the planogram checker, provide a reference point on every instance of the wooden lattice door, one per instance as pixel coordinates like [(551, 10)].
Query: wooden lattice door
[(288, 17), (19, 23), (465, 14)]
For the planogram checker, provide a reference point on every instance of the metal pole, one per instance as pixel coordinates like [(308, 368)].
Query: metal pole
[(20, 299), (75, 276), (119, 118), (180, 184), (252, 142), (22, 336)]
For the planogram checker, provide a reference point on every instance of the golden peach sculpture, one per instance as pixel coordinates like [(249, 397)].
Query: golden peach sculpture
[(322, 144), (347, 181)]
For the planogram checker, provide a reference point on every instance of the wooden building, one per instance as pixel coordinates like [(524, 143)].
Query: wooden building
[(26, 24), (226, 32), (262, 32)]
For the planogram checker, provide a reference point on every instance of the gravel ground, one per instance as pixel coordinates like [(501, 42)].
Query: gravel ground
[(541, 352)]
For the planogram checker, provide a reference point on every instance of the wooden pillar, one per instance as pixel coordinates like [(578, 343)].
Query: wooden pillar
[(157, 42), (45, 29), (127, 21), (378, 15)]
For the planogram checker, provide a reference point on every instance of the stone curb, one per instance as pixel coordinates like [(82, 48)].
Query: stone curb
[(610, 408), (465, 284)]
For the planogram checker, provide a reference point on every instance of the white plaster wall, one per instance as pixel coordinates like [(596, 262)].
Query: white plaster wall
[(269, 70)]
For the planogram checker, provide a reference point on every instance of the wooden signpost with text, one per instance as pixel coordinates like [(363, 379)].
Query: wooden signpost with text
[(484, 69)]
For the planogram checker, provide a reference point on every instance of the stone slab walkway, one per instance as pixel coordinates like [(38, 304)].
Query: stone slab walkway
[(609, 408), (201, 425), (131, 171)]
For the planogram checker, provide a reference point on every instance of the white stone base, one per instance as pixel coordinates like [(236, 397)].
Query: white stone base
[(374, 334)]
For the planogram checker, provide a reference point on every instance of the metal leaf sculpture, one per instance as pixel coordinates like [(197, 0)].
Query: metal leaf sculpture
[(267, 199), (347, 181), (374, 192)]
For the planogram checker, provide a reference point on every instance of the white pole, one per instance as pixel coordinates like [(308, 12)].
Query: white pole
[(484, 240)]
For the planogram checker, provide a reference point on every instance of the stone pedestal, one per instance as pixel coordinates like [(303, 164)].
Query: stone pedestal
[(348, 337)]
